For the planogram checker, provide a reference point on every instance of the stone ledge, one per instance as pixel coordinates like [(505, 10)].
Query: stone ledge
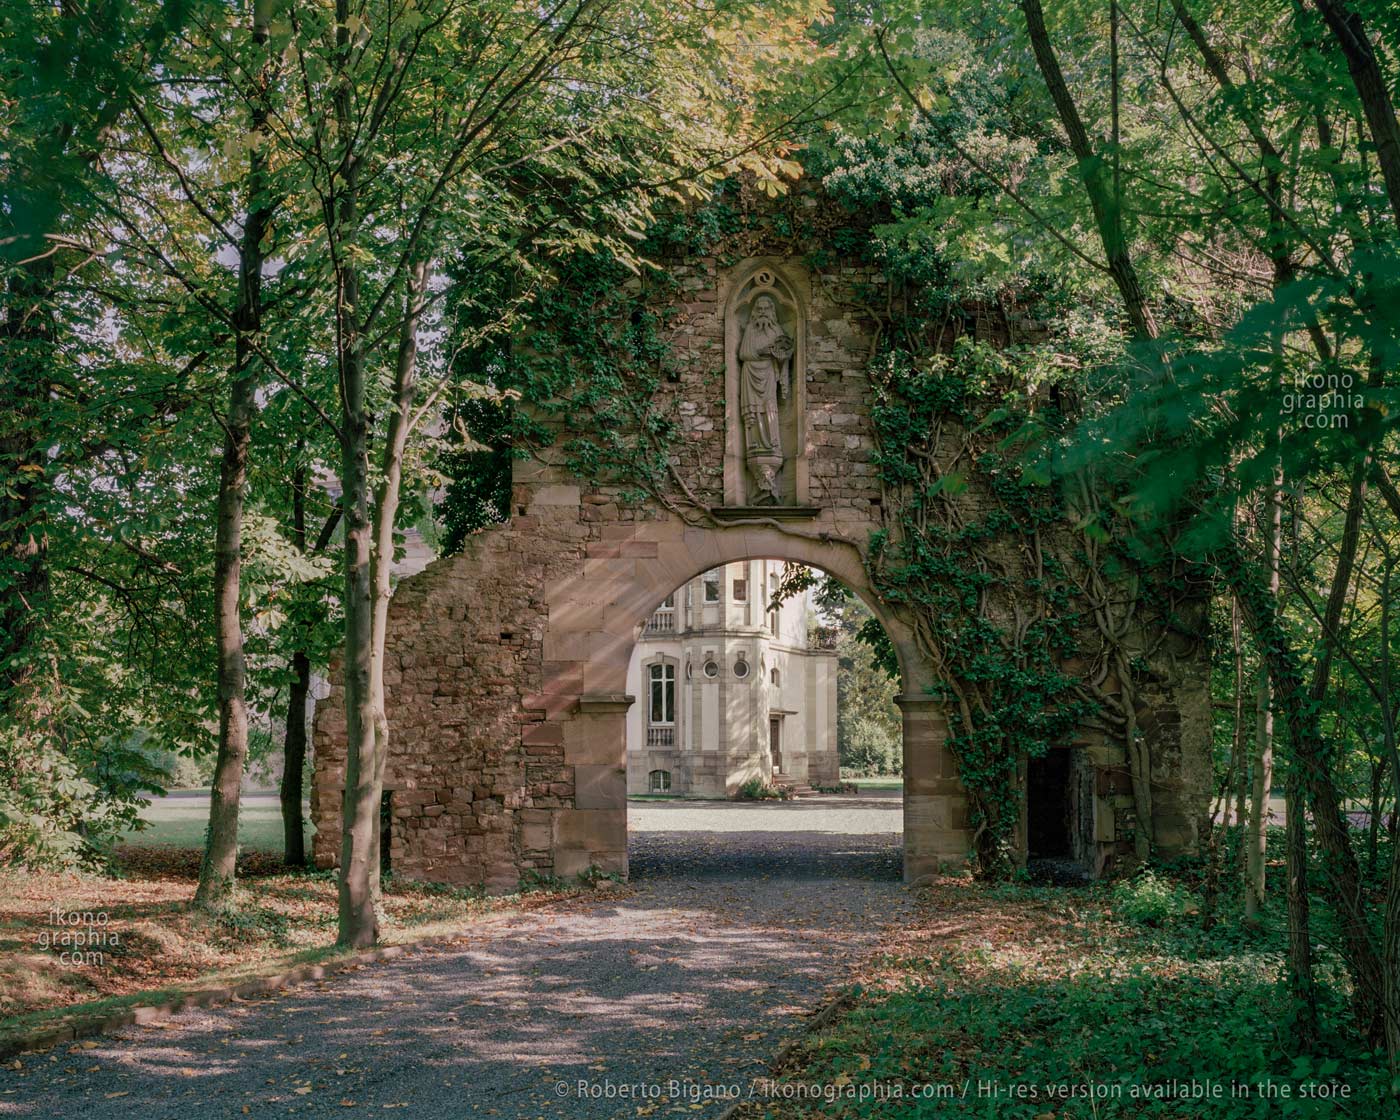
[(770, 513), (603, 702)]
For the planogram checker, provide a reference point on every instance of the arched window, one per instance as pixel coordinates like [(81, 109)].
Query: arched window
[(775, 676), (661, 704), (659, 781)]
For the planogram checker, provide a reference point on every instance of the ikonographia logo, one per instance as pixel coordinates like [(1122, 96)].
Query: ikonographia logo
[(1324, 400), (79, 938)]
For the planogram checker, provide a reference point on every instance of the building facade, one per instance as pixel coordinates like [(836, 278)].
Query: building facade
[(728, 691)]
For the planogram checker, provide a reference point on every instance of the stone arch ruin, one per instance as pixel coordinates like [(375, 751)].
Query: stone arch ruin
[(506, 664)]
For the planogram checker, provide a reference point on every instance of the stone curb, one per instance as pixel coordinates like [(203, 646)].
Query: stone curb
[(820, 1018), (86, 1026)]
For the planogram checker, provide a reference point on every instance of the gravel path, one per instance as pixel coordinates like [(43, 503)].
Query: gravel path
[(674, 991)]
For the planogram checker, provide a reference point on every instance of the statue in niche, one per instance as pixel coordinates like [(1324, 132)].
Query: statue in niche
[(765, 378)]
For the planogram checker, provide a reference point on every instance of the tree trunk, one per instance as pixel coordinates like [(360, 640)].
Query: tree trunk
[(294, 763), (1313, 757), (1262, 764), (386, 513), (1371, 87), (1097, 176), (294, 735), (217, 870), (1238, 767), (1301, 985), (28, 333), (358, 917), (1373, 818), (1391, 960), (1262, 771)]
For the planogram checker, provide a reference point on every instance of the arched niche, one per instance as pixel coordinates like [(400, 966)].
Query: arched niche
[(786, 286)]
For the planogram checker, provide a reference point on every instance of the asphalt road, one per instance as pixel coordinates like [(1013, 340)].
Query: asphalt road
[(645, 1004)]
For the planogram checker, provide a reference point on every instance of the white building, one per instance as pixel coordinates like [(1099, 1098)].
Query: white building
[(728, 690)]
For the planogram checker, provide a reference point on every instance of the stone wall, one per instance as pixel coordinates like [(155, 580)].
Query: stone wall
[(506, 665)]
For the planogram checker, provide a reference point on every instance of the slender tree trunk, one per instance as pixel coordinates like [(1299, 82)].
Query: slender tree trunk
[(1373, 818), (1391, 963), (1097, 175), (217, 870), (386, 514), (1312, 756), (1262, 764), (294, 736), (294, 762), (1350, 34), (28, 334), (358, 918), (1301, 984), (1238, 766), (1262, 770), (1390, 953), (1210, 901)]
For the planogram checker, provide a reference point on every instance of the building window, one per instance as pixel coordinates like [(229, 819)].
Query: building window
[(741, 591), (741, 668), (661, 703), (772, 598), (659, 781), (711, 669), (712, 587), (775, 676)]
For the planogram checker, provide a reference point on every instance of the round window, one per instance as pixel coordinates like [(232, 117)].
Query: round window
[(711, 669), (741, 668)]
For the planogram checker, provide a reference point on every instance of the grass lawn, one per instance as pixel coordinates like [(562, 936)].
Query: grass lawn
[(179, 821), (1028, 1003), (139, 934), (877, 783)]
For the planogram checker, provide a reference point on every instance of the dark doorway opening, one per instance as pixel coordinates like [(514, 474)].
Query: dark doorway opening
[(1048, 806), (386, 832)]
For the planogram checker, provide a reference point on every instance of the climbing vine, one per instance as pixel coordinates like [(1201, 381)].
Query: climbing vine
[(1023, 595), (963, 553)]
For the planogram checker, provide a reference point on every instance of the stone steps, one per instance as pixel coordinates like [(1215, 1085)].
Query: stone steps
[(794, 787)]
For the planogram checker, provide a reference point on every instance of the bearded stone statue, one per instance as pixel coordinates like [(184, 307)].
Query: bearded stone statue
[(765, 378)]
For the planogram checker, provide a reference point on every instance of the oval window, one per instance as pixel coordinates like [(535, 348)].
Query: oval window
[(711, 669), (741, 668)]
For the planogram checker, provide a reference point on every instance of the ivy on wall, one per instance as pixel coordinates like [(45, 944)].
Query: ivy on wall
[(963, 553), (1011, 583)]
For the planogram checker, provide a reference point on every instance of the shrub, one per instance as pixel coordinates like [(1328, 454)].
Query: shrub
[(1150, 899), (756, 789)]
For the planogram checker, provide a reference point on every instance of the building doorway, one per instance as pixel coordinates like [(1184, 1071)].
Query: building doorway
[(775, 742), (1048, 806)]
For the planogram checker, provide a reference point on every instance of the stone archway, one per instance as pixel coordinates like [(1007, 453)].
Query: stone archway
[(595, 618), (506, 665), (507, 693)]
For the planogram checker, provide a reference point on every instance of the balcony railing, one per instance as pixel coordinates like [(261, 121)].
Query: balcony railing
[(661, 736), (662, 622)]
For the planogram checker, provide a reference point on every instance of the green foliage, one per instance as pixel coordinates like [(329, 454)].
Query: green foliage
[(1150, 899), (756, 789), (871, 748), (1075, 1012), (1001, 631), (256, 924)]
